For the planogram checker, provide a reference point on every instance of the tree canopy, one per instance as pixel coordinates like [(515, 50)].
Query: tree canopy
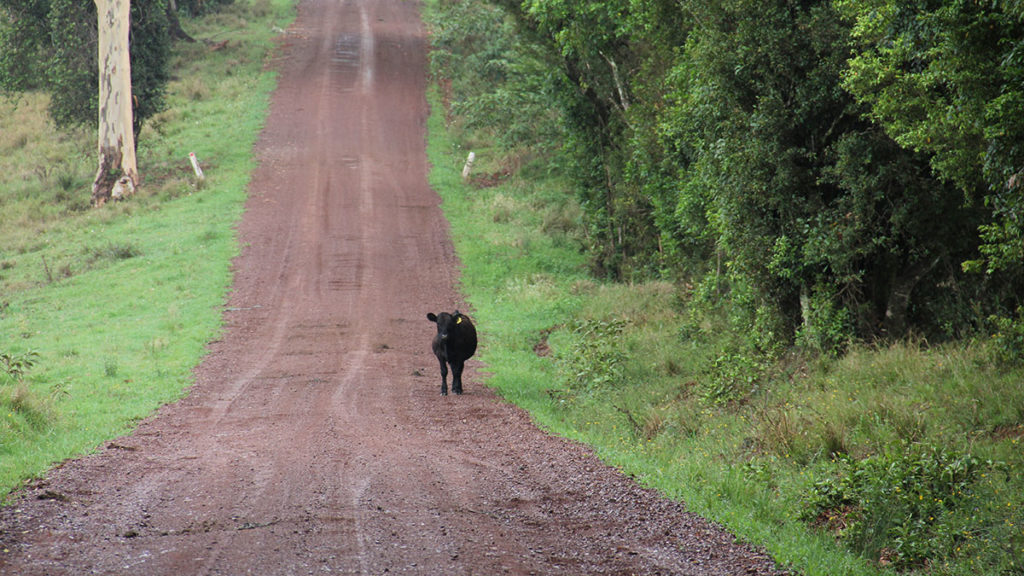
[(51, 45), (832, 169)]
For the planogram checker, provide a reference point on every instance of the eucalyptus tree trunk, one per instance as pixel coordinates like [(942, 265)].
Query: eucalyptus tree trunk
[(118, 174)]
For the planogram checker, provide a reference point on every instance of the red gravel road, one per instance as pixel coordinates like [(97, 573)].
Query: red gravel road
[(315, 440)]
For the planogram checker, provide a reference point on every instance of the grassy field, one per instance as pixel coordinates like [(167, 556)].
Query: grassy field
[(104, 313)]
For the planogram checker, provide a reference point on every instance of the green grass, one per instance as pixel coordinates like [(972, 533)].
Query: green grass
[(120, 302), (747, 442)]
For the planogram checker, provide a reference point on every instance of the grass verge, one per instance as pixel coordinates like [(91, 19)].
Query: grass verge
[(114, 306)]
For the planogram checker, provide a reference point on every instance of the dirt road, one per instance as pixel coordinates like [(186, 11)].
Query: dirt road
[(315, 440)]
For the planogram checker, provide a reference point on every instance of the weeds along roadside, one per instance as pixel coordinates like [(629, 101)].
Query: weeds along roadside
[(113, 307), (902, 458)]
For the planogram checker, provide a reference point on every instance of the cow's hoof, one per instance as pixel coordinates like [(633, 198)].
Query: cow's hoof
[(457, 392), (444, 392)]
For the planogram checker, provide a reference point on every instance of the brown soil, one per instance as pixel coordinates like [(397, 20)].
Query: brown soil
[(315, 439)]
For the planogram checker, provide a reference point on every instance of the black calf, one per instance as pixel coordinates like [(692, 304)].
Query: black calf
[(453, 344)]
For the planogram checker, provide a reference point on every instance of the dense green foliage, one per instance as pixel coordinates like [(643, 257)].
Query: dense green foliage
[(947, 78), (913, 499), (791, 195), (51, 45), (831, 170), (858, 465)]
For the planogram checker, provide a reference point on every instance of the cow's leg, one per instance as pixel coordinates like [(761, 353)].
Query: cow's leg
[(457, 376), (444, 377)]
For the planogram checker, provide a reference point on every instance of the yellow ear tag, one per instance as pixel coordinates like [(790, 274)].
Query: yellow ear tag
[(458, 320)]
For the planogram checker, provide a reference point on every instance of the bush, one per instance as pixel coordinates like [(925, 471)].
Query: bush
[(901, 507), (19, 404), (1008, 339), (827, 327), (731, 377), (15, 365), (595, 356)]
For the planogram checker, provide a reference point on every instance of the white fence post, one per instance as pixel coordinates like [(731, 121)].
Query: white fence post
[(469, 165), (195, 166)]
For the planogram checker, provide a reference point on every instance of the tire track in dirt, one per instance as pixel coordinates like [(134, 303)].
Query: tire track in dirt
[(315, 439)]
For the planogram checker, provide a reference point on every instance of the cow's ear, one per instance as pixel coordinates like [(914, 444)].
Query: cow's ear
[(431, 316)]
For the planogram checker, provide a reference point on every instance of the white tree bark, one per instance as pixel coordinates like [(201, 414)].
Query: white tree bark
[(118, 173)]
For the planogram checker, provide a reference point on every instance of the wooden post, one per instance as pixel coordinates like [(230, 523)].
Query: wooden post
[(117, 164)]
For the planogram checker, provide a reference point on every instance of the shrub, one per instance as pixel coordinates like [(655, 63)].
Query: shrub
[(595, 355), (901, 507), (1008, 339), (15, 365), (827, 327), (731, 377)]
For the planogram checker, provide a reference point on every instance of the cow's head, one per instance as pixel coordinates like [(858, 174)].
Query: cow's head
[(446, 323)]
